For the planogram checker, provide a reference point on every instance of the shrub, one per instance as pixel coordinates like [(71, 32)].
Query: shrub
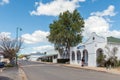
[(9, 65), (113, 62), (101, 60), (118, 63)]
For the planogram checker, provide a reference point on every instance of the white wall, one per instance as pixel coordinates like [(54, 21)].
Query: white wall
[(91, 45), (1, 58), (55, 60), (111, 46), (118, 53), (34, 57)]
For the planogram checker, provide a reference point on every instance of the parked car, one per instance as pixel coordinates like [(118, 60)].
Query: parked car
[(1, 64)]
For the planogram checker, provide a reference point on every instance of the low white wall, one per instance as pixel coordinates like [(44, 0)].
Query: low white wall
[(54, 60)]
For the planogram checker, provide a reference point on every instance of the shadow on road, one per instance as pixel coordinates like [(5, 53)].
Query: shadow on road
[(5, 78)]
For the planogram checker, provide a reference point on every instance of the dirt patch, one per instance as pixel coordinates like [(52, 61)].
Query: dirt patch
[(118, 69)]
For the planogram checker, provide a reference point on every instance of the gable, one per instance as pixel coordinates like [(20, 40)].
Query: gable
[(95, 38)]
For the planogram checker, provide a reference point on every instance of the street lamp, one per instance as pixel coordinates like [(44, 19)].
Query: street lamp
[(17, 34)]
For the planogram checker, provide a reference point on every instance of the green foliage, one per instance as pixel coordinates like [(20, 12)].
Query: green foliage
[(21, 56), (113, 62), (9, 65), (101, 59), (118, 63), (112, 59), (67, 30)]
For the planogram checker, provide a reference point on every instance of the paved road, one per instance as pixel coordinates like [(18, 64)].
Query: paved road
[(4, 78), (40, 71)]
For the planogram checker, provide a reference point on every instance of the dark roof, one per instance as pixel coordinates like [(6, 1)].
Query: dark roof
[(50, 55), (38, 53), (113, 40)]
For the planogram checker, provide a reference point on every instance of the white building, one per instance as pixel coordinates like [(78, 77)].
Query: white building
[(50, 55), (35, 56), (92, 48)]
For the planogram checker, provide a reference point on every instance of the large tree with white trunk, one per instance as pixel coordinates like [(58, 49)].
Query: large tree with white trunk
[(66, 32)]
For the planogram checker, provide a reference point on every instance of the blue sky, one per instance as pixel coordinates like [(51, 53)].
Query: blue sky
[(34, 17)]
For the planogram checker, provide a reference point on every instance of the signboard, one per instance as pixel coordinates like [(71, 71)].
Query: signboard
[(81, 47)]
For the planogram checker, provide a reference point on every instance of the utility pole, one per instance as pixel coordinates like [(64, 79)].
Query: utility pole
[(17, 39)]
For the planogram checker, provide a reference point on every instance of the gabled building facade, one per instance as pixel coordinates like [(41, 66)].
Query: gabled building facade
[(92, 48)]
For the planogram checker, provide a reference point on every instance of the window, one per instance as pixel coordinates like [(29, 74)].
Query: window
[(93, 38), (78, 55), (73, 55)]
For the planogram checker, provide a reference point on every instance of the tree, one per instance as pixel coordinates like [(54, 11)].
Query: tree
[(112, 59), (66, 32), (101, 59), (9, 46), (111, 53)]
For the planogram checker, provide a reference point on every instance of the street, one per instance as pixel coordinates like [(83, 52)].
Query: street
[(41, 71)]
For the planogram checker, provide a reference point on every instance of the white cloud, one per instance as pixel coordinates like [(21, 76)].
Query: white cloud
[(115, 33), (55, 7), (4, 2), (96, 24), (100, 23), (35, 37), (108, 12), (5, 34), (43, 48)]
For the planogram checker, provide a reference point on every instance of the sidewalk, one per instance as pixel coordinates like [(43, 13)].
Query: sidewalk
[(100, 69), (10, 73), (22, 75)]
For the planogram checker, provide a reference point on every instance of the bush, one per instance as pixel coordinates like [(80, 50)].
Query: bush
[(101, 60), (118, 63), (9, 65), (113, 62)]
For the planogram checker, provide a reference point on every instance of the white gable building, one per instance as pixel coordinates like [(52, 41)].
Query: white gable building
[(91, 49)]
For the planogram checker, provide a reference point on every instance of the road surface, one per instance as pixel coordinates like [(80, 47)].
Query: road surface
[(40, 71)]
